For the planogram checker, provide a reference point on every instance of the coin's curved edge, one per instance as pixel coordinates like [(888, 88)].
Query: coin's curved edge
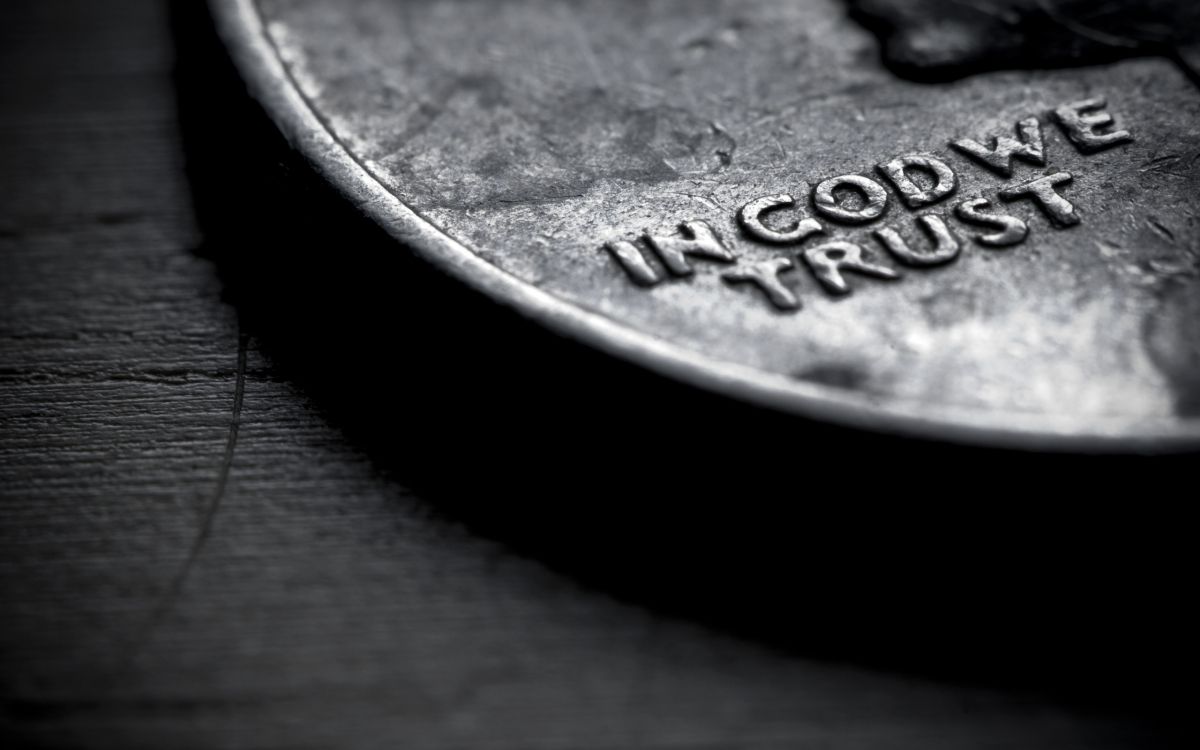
[(241, 27)]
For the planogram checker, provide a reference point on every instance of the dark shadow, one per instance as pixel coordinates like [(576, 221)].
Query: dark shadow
[(1060, 573)]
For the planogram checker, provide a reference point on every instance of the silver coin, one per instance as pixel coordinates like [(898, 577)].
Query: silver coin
[(747, 196)]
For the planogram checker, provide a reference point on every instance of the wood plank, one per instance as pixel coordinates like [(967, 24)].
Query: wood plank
[(267, 482)]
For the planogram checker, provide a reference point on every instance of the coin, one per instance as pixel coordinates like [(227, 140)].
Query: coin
[(749, 196)]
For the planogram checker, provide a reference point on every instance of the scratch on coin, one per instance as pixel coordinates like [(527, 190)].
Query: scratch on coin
[(1161, 230), (700, 199), (1160, 164)]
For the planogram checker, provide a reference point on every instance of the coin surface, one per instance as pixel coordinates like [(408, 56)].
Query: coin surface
[(748, 197)]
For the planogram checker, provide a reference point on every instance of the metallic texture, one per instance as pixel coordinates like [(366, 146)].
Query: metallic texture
[(743, 196)]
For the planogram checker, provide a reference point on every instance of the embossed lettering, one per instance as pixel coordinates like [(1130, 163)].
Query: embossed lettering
[(1042, 191), (751, 219), (698, 239), (634, 263), (827, 261), (945, 245), (919, 179), (999, 157), (913, 195), (1083, 120), (875, 197), (1012, 230), (765, 275)]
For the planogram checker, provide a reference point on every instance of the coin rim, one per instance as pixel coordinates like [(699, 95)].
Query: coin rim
[(241, 26)]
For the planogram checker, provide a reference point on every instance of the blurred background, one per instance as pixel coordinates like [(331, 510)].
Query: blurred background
[(268, 481)]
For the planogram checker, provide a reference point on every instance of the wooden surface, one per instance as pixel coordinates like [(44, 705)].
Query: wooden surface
[(269, 483)]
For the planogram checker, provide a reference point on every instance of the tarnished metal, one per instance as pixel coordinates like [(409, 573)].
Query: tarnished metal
[(746, 195)]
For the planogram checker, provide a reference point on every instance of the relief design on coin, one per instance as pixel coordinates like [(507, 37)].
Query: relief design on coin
[(744, 196), (1084, 123)]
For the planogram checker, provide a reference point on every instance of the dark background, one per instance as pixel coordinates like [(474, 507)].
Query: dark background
[(268, 481)]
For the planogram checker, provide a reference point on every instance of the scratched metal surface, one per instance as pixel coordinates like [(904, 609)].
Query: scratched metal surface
[(551, 129), (242, 507)]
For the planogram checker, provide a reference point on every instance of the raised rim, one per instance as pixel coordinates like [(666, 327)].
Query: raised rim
[(241, 26)]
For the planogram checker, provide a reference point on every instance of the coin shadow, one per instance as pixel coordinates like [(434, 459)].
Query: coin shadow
[(1053, 572)]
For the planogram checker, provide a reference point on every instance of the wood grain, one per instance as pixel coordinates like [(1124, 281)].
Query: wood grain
[(269, 483)]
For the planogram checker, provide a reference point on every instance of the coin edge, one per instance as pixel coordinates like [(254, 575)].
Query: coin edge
[(240, 25)]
